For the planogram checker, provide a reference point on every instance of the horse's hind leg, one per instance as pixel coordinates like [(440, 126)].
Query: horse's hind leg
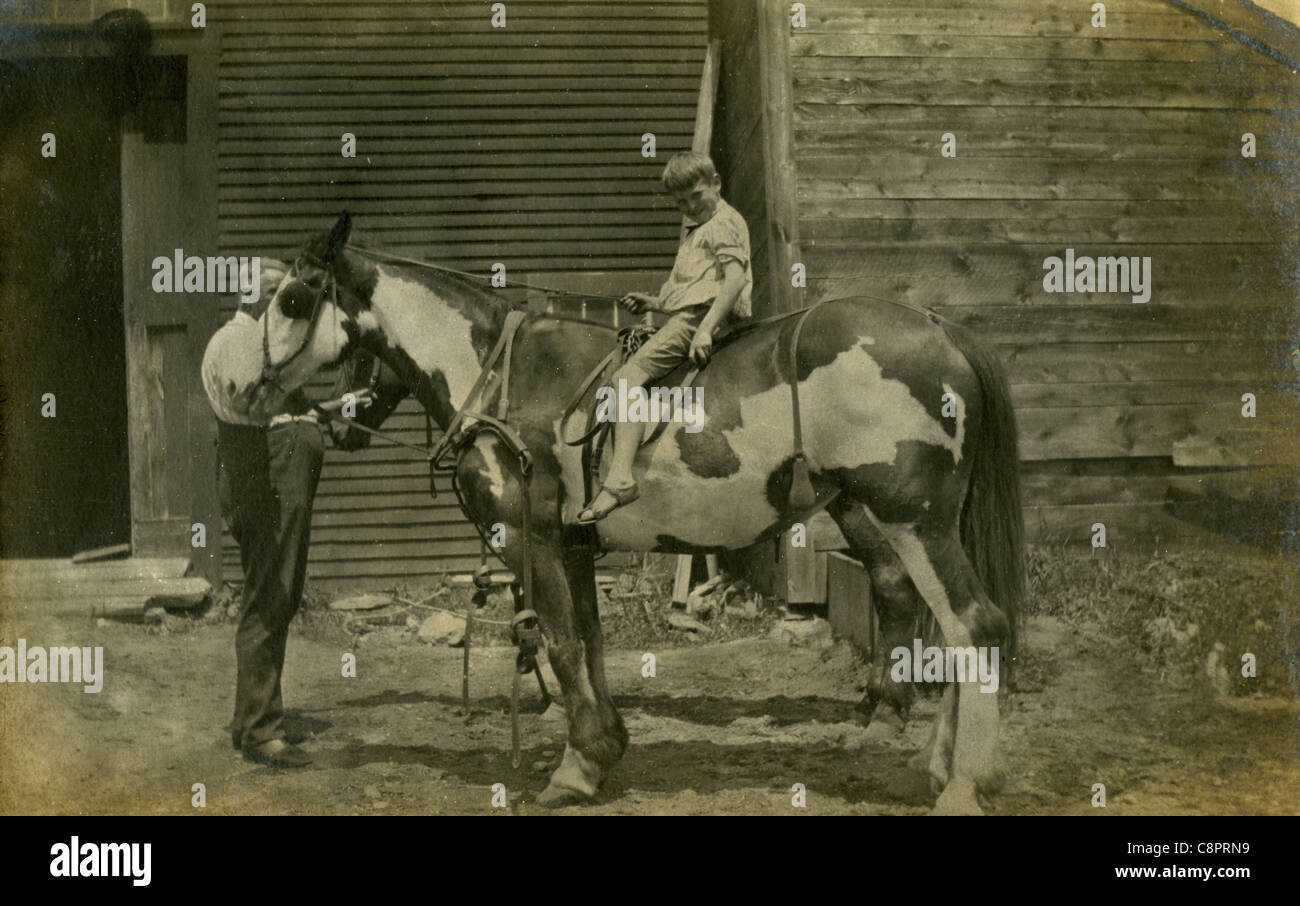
[(897, 606), (933, 556)]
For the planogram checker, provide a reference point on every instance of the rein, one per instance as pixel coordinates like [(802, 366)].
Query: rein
[(476, 278)]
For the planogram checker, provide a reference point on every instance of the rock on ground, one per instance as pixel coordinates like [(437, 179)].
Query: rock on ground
[(361, 602), (814, 633), (443, 629), (687, 623)]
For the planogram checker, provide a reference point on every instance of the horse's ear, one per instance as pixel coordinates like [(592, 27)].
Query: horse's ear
[(338, 236)]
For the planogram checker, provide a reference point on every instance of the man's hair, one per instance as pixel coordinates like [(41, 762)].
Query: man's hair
[(272, 274), (686, 168)]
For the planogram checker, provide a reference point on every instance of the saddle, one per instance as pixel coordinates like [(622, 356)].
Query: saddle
[(596, 432)]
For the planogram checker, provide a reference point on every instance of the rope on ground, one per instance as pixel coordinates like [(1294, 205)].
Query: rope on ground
[(454, 613)]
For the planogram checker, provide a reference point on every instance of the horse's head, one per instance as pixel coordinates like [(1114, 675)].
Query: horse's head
[(433, 327), (363, 370), (311, 322)]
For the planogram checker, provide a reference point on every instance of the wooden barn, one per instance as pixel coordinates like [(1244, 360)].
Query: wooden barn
[(940, 153), (930, 151)]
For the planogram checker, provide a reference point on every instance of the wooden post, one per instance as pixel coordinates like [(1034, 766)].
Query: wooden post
[(776, 83), (682, 579), (702, 138)]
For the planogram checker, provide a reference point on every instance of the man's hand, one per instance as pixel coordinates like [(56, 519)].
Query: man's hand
[(639, 302), (363, 399), (241, 400), (702, 346)]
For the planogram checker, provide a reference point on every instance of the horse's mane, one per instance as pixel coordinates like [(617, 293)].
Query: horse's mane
[(483, 305), (486, 308)]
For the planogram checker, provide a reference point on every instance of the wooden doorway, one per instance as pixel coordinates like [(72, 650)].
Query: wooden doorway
[(64, 480)]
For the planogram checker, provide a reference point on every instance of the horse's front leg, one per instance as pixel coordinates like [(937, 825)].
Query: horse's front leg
[(597, 738), (564, 596)]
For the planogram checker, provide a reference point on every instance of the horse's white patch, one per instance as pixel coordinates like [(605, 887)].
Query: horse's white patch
[(853, 416), (487, 447), (367, 321), (284, 337), (433, 333)]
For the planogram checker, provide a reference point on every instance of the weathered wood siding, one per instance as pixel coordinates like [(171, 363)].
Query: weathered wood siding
[(1123, 140), (475, 145), (738, 147)]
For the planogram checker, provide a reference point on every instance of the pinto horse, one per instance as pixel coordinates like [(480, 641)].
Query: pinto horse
[(909, 438)]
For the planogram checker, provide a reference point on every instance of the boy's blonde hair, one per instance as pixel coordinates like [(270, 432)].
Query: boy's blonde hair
[(686, 168)]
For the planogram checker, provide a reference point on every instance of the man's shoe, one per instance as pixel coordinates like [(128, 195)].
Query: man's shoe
[(277, 753)]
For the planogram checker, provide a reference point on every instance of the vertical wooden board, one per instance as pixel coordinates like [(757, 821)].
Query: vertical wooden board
[(848, 601), (702, 136), (805, 575), (177, 387), (682, 578), (780, 176), (168, 202)]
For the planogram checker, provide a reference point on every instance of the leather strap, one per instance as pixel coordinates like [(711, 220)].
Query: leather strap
[(512, 324), (576, 400), (794, 378), (503, 401)]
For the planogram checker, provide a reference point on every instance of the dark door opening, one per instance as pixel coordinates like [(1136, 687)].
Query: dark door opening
[(64, 481)]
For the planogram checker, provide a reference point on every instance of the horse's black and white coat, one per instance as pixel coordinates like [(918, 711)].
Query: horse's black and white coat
[(929, 502)]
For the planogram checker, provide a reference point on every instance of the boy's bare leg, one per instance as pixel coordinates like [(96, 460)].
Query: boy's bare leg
[(627, 438)]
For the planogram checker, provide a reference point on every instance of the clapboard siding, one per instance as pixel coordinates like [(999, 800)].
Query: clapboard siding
[(1118, 140), (475, 145)]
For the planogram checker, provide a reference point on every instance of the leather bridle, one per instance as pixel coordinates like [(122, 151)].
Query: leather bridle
[(270, 371)]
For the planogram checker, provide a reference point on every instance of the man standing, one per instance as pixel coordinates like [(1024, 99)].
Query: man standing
[(268, 477)]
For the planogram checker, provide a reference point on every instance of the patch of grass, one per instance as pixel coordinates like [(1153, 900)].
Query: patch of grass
[(1193, 614)]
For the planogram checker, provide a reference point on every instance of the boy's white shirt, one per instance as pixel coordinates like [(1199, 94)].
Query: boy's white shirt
[(696, 278)]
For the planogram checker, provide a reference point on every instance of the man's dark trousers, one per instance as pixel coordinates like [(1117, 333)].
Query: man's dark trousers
[(268, 481)]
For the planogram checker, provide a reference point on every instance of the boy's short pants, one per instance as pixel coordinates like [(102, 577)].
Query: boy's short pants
[(670, 345)]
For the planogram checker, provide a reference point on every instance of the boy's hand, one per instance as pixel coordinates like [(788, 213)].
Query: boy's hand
[(702, 347), (639, 302)]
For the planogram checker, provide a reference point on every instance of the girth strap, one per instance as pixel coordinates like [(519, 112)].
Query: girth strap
[(580, 395), (802, 494)]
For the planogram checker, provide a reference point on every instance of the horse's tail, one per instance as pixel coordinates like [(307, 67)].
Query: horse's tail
[(992, 522)]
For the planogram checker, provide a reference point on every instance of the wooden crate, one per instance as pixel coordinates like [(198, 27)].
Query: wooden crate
[(848, 600)]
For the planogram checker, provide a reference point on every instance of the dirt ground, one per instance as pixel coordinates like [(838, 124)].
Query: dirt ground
[(723, 728)]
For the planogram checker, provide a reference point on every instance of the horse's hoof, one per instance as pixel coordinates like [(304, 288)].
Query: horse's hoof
[(575, 781), (958, 798), (559, 797)]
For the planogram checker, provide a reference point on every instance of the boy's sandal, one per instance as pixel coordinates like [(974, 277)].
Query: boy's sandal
[(622, 497)]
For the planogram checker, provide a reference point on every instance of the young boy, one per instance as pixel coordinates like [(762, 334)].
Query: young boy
[(710, 283)]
